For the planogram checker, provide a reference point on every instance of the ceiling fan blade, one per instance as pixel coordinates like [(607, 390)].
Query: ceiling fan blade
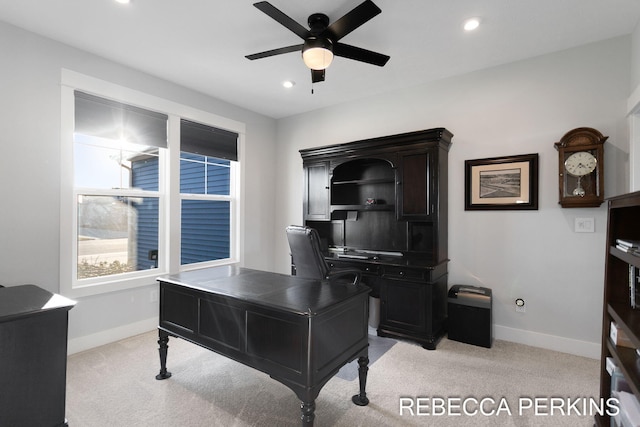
[(283, 19), (352, 20), (359, 54), (317, 76), (273, 52)]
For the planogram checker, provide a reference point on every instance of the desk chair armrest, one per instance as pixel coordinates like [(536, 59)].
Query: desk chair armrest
[(333, 274)]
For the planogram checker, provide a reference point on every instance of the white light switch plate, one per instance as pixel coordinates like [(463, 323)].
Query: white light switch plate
[(585, 225)]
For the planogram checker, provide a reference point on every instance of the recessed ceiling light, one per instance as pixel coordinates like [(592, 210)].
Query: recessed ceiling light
[(123, 1), (288, 84), (471, 24)]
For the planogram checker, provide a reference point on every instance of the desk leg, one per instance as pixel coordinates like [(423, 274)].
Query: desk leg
[(308, 413), (361, 399), (163, 341)]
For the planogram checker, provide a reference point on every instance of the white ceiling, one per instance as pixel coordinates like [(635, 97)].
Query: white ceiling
[(201, 44)]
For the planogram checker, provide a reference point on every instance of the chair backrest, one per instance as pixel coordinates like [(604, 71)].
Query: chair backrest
[(304, 244)]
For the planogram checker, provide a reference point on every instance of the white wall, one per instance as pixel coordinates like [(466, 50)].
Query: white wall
[(635, 57), (30, 177), (517, 108)]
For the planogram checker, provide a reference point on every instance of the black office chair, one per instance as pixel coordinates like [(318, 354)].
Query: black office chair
[(308, 259)]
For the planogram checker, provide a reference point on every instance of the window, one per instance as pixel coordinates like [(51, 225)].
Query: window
[(123, 210), (206, 154), (114, 145)]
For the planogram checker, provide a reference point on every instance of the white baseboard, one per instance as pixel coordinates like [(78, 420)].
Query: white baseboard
[(550, 342), (87, 342)]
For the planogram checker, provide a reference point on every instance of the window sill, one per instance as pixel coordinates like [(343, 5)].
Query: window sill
[(143, 278), (114, 285)]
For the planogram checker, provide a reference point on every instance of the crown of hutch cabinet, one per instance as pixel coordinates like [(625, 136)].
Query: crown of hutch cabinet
[(380, 205)]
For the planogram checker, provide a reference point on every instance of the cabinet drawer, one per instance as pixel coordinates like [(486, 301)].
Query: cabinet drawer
[(404, 273), (364, 268)]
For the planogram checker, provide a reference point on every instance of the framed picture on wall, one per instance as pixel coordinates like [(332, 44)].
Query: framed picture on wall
[(501, 183)]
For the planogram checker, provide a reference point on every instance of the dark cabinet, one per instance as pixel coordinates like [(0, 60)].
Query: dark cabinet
[(33, 356), (316, 191), (621, 303), (412, 303), (380, 205), (415, 198)]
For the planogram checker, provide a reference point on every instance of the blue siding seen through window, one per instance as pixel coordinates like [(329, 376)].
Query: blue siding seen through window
[(147, 232), (204, 175), (205, 230), (144, 175), (205, 223)]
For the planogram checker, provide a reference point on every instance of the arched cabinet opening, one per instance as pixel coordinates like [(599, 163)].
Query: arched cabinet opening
[(363, 184), (363, 197)]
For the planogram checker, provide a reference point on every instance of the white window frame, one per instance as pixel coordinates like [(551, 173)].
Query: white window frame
[(169, 189)]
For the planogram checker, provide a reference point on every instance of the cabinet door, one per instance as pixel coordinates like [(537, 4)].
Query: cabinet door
[(316, 191), (414, 310), (404, 305), (415, 191)]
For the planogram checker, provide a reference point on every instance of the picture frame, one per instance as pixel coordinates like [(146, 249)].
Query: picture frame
[(501, 183)]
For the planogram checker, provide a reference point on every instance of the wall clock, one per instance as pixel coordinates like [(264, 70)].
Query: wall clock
[(581, 168)]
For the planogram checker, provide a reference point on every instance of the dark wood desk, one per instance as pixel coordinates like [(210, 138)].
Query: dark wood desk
[(33, 356), (298, 331)]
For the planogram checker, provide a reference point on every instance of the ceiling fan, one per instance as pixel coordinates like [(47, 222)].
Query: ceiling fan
[(321, 40)]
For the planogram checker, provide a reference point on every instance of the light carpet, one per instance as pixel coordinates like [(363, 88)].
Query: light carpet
[(115, 385)]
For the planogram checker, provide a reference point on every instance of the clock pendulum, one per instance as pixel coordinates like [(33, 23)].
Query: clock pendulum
[(579, 191)]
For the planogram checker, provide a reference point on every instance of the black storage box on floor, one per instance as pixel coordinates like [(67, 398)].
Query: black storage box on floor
[(469, 310)]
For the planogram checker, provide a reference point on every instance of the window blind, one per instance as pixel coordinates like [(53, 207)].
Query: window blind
[(104, 118), (208, 141)]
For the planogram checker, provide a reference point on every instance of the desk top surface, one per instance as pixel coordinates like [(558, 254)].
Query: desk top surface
[(279, 291)]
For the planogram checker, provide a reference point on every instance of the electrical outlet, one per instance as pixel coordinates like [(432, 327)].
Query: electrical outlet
[(153, 297), (520, 308)]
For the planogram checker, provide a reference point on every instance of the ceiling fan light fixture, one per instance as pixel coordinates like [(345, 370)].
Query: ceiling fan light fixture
[(317, 53)]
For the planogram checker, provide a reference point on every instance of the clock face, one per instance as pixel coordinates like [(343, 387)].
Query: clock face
[(580, 163)]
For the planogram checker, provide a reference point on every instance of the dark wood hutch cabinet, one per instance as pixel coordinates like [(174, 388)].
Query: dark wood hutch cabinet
[(380, 205), (620, 268)]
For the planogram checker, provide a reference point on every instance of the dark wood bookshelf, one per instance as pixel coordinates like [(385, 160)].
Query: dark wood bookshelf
[(623, 222)]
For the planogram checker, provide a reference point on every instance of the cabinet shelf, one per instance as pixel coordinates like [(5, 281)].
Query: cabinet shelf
[(364, 182), (627, 360), (624, 256), (626, 318), (362, 207)]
